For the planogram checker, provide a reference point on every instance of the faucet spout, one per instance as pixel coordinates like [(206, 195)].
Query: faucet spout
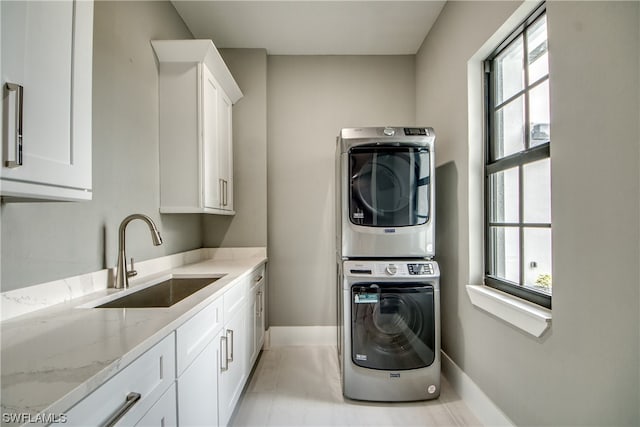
[(122, 275)]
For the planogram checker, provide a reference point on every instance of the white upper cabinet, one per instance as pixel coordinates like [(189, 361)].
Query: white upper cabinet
[(46, 85), (197, 92)]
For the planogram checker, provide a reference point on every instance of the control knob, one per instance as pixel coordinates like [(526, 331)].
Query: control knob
[(392, 269)]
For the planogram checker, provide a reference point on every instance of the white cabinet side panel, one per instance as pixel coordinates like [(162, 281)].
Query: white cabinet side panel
[(179, 136)]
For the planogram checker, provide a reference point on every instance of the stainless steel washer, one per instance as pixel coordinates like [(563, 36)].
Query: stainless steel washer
[(389, 330)]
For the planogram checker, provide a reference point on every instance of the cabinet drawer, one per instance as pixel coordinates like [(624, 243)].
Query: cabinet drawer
[(234, 298), (163, 413), (196, 333), (149, 376)]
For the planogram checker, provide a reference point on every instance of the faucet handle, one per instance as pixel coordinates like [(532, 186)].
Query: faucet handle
[(132, 272)]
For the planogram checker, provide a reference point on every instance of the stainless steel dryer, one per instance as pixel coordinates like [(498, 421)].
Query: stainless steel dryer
[(389, 330), (385, 192)]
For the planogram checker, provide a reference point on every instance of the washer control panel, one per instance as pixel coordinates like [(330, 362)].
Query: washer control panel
[(391, 268), (420, 269)]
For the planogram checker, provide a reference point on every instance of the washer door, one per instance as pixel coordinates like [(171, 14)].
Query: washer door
[(389, 186), (392, 326)]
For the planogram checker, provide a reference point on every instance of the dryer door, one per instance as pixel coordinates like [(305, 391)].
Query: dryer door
[(392, 326), (389, 185)]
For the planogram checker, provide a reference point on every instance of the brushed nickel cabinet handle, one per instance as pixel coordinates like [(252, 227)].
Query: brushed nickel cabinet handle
[(258, 303), (225, 195), (224, 356), (17, 91), (131, 399), (230, 335), (221, 192)]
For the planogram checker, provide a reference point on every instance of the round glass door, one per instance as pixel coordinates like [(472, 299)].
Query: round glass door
[(392, 327), (389, 186)]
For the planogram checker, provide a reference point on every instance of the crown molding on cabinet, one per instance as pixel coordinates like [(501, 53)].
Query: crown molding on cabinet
[(199, 51)]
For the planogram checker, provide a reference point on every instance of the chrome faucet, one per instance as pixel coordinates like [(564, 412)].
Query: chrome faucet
[(122, 274)]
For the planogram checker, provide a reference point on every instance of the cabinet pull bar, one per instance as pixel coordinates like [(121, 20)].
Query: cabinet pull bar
[(17, 143), (221, 188), (259, 304), (224, 357), (224, 192), (131, 399), (230, 335)]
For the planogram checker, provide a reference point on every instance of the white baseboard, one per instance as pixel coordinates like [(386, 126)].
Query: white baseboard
[(479, 403), (280, 336)]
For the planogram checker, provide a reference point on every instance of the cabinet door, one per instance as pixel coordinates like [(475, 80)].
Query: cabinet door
[(198, 388), (251, 312), (233, 371), (195, 334), (46, 49), (259, 318), (163, 413), (225, 150), (255, 323), (212, 185)]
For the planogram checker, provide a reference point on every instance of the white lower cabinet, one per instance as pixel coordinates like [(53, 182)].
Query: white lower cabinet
[(213, 370), (259, 320), (233, 368), (198, 389), (194, 376), (163, 413), (255, 317), (197, 362), (127, 397)]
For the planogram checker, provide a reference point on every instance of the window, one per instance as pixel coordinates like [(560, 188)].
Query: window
[(518, 164)]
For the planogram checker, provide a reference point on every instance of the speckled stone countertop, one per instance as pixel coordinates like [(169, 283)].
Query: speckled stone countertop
[(55, 356)]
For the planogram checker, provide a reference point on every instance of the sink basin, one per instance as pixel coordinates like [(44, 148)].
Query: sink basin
[(163, 294)]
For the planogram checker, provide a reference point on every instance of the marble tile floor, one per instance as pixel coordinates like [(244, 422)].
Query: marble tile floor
[(300, 386)]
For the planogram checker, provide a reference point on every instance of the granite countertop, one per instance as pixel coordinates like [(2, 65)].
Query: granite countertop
[(54, 357)]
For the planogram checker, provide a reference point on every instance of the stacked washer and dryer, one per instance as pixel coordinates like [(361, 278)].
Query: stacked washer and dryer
[(388, 284)]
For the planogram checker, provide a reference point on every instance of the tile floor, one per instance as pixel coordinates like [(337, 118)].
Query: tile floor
[(300, 386)]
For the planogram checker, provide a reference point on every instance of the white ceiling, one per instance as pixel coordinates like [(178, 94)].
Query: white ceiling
[(313, 27)]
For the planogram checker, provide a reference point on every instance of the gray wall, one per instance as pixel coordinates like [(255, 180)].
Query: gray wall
[(585, 370), (48, 241), (249, 226), (310, 99)]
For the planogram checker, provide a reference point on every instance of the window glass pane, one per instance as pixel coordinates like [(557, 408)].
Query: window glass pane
[(538, 58), (536, 178), (537, 259), (505, 188), (509, 138), (505, 249), (539, 114), (509, 77)]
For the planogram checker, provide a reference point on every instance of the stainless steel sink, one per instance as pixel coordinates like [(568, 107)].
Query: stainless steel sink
[(163, 294)]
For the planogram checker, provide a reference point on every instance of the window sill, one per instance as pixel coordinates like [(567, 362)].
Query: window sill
[(528, 317)]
